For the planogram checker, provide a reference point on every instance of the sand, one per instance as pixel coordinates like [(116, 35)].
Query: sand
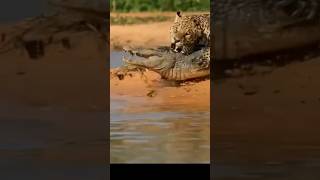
[(140, 35), (144, 35)]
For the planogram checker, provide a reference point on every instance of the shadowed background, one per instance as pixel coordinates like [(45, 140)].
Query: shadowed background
[(53, 93)]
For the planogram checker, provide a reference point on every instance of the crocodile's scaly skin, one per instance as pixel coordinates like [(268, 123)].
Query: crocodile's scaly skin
[(171, 65), (249, 27)]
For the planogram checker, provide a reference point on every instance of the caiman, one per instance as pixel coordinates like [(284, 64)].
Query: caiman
[(171, 65), (244, 28)]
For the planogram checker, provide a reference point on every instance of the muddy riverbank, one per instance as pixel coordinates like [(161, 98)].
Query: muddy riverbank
[(265, 125), (53, 109)]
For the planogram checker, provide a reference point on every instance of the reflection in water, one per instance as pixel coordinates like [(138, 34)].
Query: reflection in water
[(116, 59), (158, 136)]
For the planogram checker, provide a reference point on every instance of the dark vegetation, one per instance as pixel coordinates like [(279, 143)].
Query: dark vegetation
[(159, 5), (120, 20)]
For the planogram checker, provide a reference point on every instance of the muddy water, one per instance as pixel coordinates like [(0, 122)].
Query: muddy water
[(157, 134), (116, 59)]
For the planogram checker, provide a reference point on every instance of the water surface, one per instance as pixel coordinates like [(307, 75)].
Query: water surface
[(116, 58), (159, 135)]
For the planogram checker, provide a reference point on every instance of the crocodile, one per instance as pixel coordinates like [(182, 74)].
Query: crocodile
[(244, 28), (171, 65)]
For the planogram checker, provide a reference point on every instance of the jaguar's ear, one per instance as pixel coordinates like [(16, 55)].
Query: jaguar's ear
[(179, 13), (178, 16)]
